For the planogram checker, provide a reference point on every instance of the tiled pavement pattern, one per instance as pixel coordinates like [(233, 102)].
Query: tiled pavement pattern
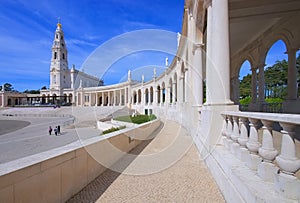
[(188, 180)]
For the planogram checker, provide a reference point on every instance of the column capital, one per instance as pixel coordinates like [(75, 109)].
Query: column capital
[(291, 50), (197, 46), (261, 65), (207, 3)]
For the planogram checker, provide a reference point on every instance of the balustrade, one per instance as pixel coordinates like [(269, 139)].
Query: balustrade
[(263, 157)]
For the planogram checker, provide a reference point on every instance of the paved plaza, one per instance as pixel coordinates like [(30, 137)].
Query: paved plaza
[(187, 180), (24, 131)]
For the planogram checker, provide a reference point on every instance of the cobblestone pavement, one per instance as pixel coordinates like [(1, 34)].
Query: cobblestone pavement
[(188, 180)]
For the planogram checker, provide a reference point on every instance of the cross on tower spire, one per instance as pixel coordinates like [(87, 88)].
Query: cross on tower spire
[(58, 22)]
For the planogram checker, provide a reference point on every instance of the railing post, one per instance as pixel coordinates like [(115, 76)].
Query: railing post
[(266, 169), (235, 135), (229, 131), (286, 183), (253, 145), (243, 152), (224, 131)]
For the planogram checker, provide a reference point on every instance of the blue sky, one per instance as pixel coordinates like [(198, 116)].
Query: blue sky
[(27, 29)]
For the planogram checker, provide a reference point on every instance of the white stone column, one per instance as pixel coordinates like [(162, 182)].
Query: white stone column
[(197, 75), (191, 86), (125, 97), (186, 86), (96, 99), (168, 94), (253, 85), (218, 54), (90, 99), (292, 75), (114, 98), (174, 95), (180, 88), (155, 92), (82, 98)]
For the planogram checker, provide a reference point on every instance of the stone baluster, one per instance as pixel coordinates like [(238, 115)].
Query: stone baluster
[(267, 150), (224, 131), (286, 183), (253, 145), (229, 131), (243, 139), (266, 169), (243, 152), (235, 135)]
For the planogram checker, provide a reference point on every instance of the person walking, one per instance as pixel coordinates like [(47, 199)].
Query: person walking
[(50, 130), (58, 129), (55, 130)]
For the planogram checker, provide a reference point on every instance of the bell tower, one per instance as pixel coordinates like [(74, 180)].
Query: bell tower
[(59, 72)]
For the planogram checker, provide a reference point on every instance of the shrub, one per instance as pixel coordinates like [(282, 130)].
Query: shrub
[(113, 129), (138, 119), (245, 101), (273, 100)]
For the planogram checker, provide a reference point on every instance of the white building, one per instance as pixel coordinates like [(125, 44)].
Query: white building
[(64, 81)]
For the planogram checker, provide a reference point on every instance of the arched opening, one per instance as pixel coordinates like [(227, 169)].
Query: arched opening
[(139, 96), (151, 95), (54, 98), (146, 96), (170, 91), (100, 101), (275, 77), (163, 92), (70, 98), (43, 99), (158, 94), (134, 97), (243, 96), (65, 98), (9, 102), (106, 101)]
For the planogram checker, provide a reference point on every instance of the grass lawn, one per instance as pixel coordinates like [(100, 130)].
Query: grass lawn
[(138, 119)]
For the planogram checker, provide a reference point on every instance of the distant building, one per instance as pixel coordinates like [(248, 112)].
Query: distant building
[(64, 81)]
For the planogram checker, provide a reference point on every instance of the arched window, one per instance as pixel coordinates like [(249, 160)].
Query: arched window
[(54, 79), (63, 55), (55, 55), (56, 36)]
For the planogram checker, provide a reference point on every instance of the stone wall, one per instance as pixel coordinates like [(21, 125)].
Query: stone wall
[(57, 178)]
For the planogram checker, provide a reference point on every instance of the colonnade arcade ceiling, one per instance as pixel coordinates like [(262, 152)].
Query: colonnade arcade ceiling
[(251, 18)]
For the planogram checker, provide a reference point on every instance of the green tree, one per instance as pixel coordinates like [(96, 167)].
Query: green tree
[(8, 87), (245, 86)]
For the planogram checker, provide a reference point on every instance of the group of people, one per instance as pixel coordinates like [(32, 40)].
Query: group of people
[(56, 130)]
